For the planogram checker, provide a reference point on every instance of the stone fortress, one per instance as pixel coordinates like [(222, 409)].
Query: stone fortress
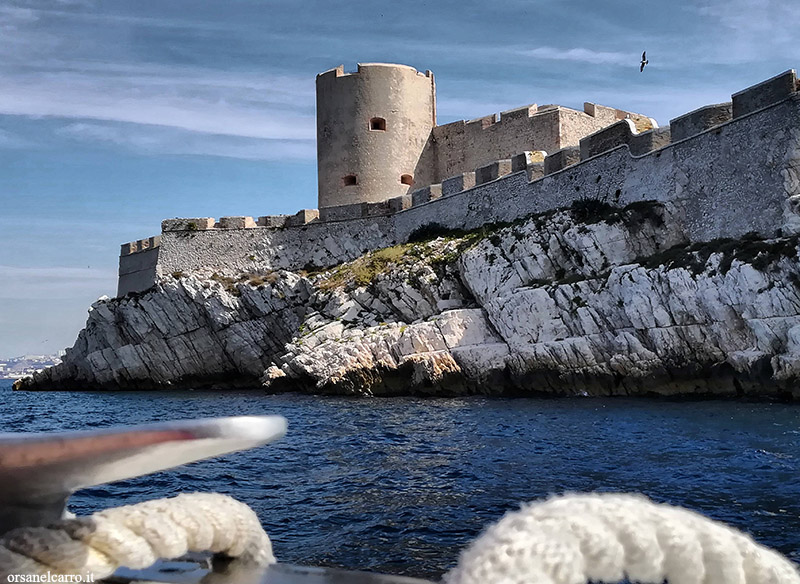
[(377, 137), (386, 169)]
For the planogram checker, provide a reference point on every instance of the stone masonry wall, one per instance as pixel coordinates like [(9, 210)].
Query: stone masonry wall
[(137, 265), (463, 146), (401, 101), (234, 251), (705, 174), (738, 176)]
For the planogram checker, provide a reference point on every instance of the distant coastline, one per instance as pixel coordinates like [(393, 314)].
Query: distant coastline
[(13, 368)]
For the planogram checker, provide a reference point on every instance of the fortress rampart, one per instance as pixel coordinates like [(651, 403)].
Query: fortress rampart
[(730, 168), (377, 136), (137, 264), (463, 146)]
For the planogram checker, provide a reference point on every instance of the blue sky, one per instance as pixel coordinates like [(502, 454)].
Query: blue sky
[(116, 114)]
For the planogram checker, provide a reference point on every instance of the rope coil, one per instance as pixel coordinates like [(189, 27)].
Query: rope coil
[(571, 539), (575, 539), (136, 536)]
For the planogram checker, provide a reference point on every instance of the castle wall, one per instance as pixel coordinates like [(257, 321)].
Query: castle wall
[(703, 175), (137, 265), (357, 162), (763, 94), (737, 177), (729, 179), (699, 120), (377, 136), (463, 146), (231, 252)]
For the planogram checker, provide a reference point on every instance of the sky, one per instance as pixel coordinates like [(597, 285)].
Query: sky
[(115, 114)]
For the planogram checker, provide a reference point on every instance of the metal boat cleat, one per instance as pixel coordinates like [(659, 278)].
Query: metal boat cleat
[(38, 473)]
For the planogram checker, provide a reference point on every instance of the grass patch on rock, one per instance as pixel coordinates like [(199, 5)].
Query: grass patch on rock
[(254, 279), (363, 271)]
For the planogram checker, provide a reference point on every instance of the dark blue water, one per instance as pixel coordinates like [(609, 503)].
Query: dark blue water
[(401, 485)]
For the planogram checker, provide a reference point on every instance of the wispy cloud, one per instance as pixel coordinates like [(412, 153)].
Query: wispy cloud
[(52, 282), (753, 16), (581, 55), (276, 108), (11, 140), (12, 15), (752, 30), (45, 4), (156, 140), (57, 60)]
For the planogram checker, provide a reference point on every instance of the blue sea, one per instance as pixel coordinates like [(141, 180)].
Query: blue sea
[(401, 485)]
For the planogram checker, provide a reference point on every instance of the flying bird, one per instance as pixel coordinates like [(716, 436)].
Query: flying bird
[(644, 61)]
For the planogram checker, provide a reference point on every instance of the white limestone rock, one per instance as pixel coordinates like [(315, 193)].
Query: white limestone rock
[(545, 305)]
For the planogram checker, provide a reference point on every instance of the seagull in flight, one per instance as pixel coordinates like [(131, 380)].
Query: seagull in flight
[(644, 61)]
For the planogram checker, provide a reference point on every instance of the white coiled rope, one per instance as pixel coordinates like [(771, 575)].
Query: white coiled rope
[(136, 536), (574, 539)]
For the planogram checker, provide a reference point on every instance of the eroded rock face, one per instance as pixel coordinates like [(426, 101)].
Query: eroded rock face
[(191, 331), (590, 300)]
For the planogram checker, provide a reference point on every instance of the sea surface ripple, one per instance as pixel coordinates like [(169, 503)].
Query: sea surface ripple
[(401, 485)]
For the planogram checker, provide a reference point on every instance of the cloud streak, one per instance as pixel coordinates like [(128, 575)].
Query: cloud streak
[(752, 30), (10, 140), (276, 109), (67, 65), (171, 141), (581, 55), (52, 282)]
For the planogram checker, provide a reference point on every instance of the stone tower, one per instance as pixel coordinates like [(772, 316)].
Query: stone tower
[(372, 127)]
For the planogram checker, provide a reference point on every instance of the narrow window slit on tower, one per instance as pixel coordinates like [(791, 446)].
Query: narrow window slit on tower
[(349, 180), (406, 179), (378, 124)]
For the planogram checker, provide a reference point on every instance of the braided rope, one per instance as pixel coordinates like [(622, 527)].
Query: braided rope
[(574, 539), (135, 536), (570, 539)]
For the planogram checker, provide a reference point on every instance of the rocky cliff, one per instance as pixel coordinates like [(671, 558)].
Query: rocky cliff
[(590, 300)]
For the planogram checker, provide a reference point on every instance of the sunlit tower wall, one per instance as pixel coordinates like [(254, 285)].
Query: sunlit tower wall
[(372, 127)]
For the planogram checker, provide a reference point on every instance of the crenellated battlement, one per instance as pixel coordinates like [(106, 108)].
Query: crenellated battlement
[(604, 114), (700, 120), (764, 94), (377, 136), (466, 145), (137, 264), (628, 159), (302, 217), (140, 245), (538, 164), (372, 128), (366, 67)]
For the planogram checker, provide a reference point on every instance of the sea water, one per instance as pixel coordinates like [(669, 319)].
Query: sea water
[(401, 485)]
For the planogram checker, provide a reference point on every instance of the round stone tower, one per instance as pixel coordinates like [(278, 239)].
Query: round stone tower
[(372, 127)]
